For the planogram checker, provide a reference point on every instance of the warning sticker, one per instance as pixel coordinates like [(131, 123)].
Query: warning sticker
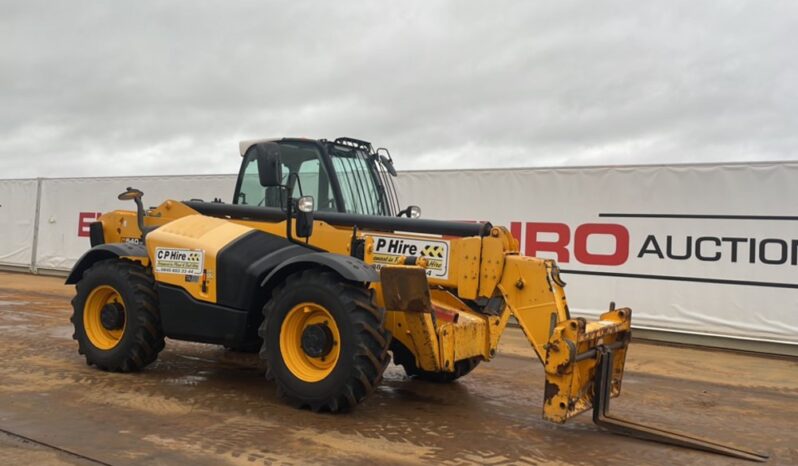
[(179, 261), (388, 250)]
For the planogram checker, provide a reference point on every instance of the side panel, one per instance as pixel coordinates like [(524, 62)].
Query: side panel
[(243, 263), (185, 318), (18, 222), (184, 253), (209, 272)]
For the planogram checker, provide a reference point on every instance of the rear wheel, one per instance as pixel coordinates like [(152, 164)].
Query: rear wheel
[(324, 342), (404, 357), (115, 316)]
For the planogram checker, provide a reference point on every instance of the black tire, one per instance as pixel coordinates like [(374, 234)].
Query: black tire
[(142, 336), (363, 342), (403, 357)]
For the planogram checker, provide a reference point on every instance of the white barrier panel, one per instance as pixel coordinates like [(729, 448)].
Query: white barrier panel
[(69, 205), (709, 249), (17, 218)]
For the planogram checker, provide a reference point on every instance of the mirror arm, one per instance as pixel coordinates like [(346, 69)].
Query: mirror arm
[(135, 195), (140, 218), (289, 215)]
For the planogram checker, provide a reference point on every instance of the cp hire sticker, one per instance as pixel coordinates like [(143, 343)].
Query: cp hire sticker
[(388, 249), (179, 261)]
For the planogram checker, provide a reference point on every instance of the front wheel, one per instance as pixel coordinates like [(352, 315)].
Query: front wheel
[(324, 341), (115, 316)]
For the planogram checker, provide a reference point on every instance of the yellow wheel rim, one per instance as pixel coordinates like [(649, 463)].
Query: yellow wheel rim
[(296, 322), (99, 336)]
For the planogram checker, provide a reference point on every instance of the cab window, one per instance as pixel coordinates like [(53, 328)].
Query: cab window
[(303, 173)]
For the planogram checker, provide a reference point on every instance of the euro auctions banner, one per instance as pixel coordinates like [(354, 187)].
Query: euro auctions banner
[(707, 249)]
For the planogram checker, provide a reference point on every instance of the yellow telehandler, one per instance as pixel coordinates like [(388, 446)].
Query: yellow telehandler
[(315, 266)]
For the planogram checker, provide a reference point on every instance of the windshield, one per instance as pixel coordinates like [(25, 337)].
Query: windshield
[(361, 185)]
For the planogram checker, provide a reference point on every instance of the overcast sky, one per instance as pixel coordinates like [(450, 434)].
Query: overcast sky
[(127, 88)]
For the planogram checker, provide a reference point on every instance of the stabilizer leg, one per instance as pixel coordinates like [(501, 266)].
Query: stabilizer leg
[(602, 418)]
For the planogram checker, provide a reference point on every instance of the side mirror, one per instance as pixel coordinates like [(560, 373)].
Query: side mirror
[(304, 216), (270, 170), (388, 164), (130, 194)]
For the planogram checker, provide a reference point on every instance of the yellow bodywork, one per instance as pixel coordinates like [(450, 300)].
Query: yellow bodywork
[(479, 268), (200, 233)]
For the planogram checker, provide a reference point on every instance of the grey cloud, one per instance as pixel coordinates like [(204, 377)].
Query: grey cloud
[(117, 88)]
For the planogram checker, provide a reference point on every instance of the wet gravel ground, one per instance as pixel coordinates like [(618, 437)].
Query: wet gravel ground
[(201, 404)]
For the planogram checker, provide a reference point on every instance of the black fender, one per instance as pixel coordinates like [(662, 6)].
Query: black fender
[(257, 261), (102, 252), (350, 268)]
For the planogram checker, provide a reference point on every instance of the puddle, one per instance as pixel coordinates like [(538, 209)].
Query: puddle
[(64, 332), (188, 380)]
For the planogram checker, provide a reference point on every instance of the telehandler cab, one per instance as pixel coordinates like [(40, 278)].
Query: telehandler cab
[(315, 265)]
